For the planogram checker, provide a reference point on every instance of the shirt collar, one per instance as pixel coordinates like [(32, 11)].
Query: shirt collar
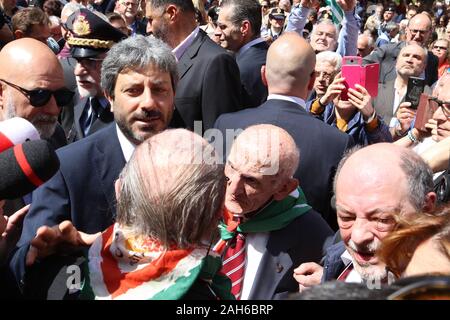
[(248, 45), (125, 144), (296, 100), (182, 47), (354, 275)]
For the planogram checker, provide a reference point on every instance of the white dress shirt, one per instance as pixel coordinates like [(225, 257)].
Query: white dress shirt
[(125, 144), (296, 100)]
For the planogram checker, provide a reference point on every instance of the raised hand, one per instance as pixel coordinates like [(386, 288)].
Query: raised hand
[(309, 3), (334, 89), (308, 274), (59, 238), (361, 99), (405, 115), (10, 230), (346, 5)]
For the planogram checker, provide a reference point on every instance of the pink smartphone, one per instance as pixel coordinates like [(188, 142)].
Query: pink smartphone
[(351, 71), (354, 73)]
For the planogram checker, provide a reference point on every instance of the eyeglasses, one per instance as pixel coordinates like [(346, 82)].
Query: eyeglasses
[(325, 75), (444, 105), (40, 97), (439, 48), (89, 63)]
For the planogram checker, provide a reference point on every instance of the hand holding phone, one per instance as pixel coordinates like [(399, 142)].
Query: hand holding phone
[(414, 90)]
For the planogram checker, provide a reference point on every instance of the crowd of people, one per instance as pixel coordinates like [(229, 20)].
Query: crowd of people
[(217, 150)]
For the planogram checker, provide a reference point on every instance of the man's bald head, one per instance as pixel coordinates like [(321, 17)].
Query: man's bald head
[(268, 147), (27, 64), (26, 56), (365, 45), (260, 169), (170, 191), (382, 164), (419, 29), (290, 65)]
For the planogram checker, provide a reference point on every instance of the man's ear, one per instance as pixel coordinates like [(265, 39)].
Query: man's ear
[(286, 189), (430, 202), (263, 75), (18, 34), (110, 100), (245, 27), (117, 186), (172, 11)]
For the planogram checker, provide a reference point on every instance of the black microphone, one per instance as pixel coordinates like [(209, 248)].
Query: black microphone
[(25, 167)]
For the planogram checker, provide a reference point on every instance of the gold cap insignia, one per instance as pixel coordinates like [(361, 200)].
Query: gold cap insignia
[(81, 27)]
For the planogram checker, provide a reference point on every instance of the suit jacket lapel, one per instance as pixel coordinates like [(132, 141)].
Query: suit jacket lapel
[(274, 264), (109, 162), (185, 63)]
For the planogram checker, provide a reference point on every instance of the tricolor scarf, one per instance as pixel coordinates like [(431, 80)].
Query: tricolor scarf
[(122, 267), (275, 216)]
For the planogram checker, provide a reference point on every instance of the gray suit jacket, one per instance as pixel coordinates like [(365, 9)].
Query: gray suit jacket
[(384, 101), (303, 240), (387, 57)]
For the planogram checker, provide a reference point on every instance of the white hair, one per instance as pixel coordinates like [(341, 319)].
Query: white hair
[(331, 57)]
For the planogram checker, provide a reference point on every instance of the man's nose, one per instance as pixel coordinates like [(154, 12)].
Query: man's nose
[(361, 232)]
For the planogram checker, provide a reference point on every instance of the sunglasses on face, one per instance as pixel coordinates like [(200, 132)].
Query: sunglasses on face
[(40, 97)]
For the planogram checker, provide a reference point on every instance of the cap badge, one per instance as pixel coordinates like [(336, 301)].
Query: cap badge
[(81, 27)]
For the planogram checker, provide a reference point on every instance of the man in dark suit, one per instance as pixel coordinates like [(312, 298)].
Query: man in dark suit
[(418, 31), (209, 77), (91, 39), (141, 88), (400, 185), (239, 26), (276, 228), (289, 75)]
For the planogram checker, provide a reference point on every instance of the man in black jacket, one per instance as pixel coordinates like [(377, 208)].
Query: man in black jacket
[(209, 77), (289, 75), (239, 27)]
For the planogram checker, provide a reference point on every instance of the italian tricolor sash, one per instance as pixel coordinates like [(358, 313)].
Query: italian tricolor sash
[(122, 267)]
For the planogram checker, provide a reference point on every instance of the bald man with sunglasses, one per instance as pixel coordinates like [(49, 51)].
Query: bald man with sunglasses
[(32, 87)]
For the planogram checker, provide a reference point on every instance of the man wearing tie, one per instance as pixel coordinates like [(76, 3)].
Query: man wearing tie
[(92, 37), (268, 226)]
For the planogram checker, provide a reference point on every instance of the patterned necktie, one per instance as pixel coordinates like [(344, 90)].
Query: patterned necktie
[(234, 262)]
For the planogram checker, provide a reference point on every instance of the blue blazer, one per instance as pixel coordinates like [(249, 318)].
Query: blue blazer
[(303, 240), (81, 191), (321, 147), (250, 63)]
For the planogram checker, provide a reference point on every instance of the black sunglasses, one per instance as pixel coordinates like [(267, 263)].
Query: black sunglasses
[(40, 97)]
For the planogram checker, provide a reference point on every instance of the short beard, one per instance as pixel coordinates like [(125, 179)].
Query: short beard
[(45, 130), (84, 93), (163, 34), (369, 271), (128, 132)]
